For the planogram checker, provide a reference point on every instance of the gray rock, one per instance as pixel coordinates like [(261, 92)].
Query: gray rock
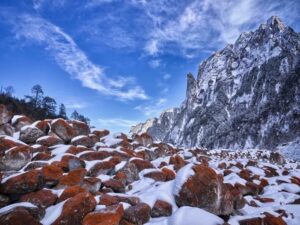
[(30, 134), (6, 129), (245, 96)]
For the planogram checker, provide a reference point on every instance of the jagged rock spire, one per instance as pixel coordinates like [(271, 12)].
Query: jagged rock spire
[(276, 24), (244, 97)]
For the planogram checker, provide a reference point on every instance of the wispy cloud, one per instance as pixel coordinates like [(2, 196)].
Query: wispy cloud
[(195, 26), (116, 122), (187, 27), (76, 105), (154, 63), (72, 59), (152, 108), (167, 76), (40, 4), (95, 3), (165, 90)]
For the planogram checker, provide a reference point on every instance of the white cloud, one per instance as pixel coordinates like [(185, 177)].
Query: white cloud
[(165, 90), (40, 4), (152, 47), (195, 26), (185, 28), (73, 60), (116, 122), (152, 108), (95, 3), (76, 105), (37, 4), (167, 76), (154, 63)]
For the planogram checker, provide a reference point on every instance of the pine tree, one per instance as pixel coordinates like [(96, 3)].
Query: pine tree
[(37, 96), (75, 115), (49, 105), (62, 111)]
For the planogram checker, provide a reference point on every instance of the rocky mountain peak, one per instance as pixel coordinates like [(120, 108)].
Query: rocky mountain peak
[(246, 96), (276, 24)]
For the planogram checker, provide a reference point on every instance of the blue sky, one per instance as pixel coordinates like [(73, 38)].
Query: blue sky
[(121, 62)]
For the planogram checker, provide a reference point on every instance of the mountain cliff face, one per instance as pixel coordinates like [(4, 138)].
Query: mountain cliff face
[(245, 96)]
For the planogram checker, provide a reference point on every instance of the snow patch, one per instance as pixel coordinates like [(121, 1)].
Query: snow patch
[(182, 176), (20, 204)]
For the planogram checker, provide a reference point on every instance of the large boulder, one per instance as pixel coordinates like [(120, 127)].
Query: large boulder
[(62, 129), (156, 175), (52, 174), (82, 140), (75, 209), (7, 142), (7, 129), (161, 208), (115, 185), (70, 192), (19, 121), (138, 214), (75, 177), (20, 216), (100, 133), (104, 167), (80, 128), (91, 184), (177, 161), (29, 134), (42, 198), (200, 186), (49, 140), (15, 158), (143, 139), (43, 125), (111, 215), (23, 183)]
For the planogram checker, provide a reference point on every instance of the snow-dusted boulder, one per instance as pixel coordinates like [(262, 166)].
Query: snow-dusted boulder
[(29, 134), (15, 158), (200, 186), (62, 129)]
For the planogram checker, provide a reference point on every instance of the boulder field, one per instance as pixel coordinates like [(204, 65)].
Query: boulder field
[(62, 172)]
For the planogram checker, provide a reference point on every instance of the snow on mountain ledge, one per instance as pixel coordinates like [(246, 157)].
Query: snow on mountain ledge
[(245, 96)]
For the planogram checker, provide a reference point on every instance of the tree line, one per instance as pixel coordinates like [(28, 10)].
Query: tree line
[(36, 105)]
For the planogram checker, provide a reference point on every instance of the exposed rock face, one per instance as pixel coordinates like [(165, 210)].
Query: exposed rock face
[(246, 95)]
